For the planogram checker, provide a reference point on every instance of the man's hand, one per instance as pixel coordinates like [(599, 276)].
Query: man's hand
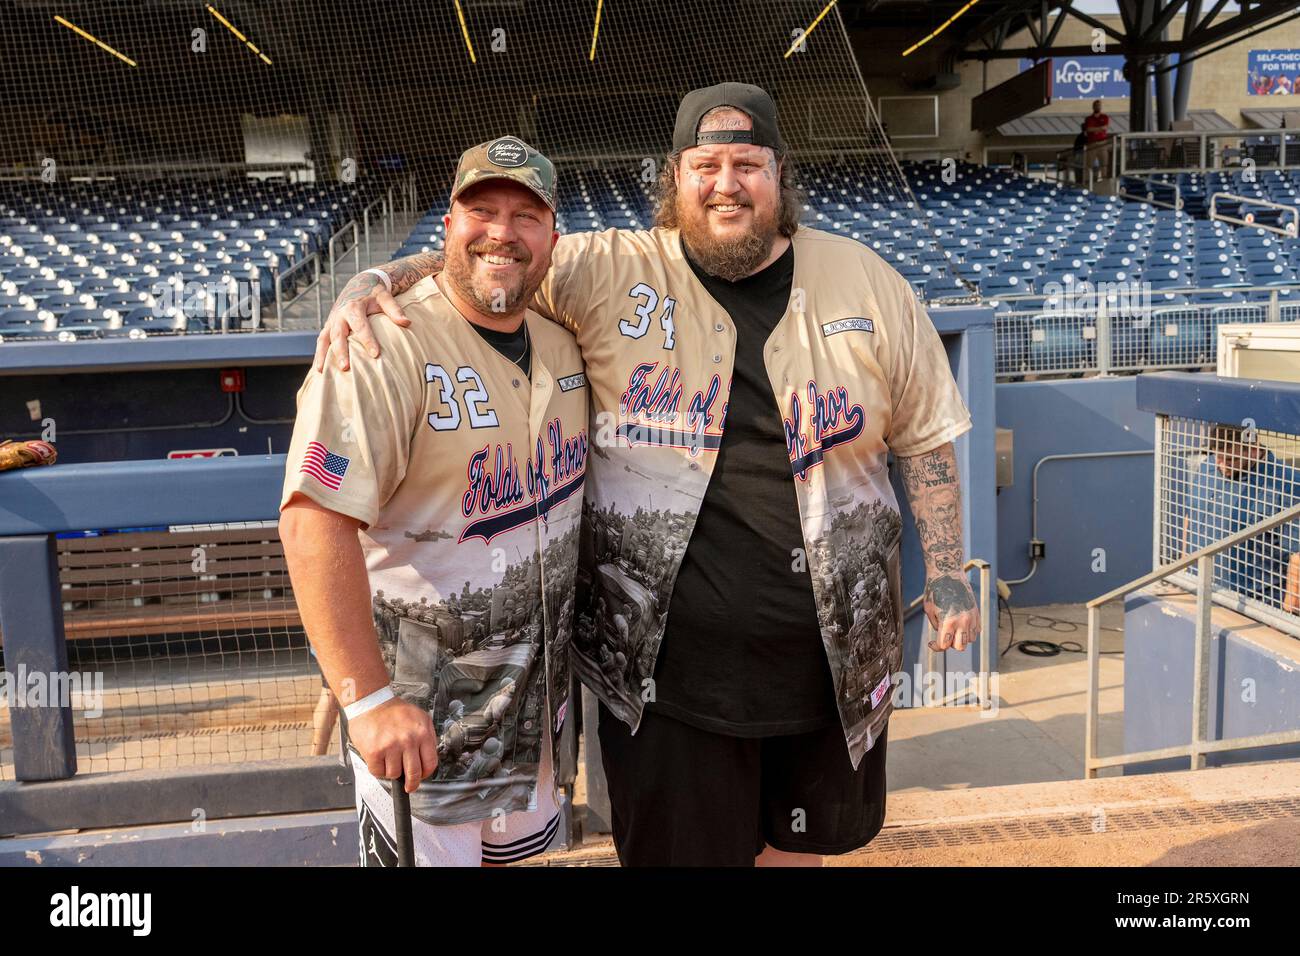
[(396, 739), (953, 612), (362, 297)]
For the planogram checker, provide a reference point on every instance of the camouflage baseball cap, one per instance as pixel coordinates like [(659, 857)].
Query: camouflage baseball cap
[(506, 158)]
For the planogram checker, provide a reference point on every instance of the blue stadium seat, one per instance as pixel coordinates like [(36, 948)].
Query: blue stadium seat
[(1062, 341), (17, 324), (1180, 336)]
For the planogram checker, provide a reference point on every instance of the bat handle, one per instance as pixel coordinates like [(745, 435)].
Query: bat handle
[(402, 823)]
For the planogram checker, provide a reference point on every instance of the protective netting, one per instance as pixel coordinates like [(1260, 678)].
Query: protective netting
[(175, 166), (182, 166)]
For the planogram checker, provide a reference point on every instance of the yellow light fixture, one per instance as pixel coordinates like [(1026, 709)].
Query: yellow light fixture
[(235, 30), (464, 31), (943, 26), (95, 40), (811, 27), (595, 32)]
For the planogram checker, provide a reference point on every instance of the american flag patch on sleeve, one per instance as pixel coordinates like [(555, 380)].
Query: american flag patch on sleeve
[(323, 465)]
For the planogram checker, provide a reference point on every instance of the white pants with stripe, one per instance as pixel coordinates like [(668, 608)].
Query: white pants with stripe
[(503, 839)]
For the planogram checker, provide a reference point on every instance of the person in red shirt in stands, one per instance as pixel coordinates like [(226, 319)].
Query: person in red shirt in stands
[(1096, 128)]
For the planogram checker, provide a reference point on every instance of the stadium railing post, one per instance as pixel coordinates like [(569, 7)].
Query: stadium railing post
[(365, 223), (257, 299), (1201, 665), (1094, 664), (31, 617), (1103, 335), (320, 315), (279, 299), (388, 220)]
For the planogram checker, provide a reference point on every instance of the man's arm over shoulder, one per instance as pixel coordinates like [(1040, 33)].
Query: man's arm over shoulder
[(576, 269)]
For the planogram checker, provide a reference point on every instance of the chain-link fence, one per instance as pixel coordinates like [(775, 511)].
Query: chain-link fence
[(184, 648), (1216, 479), (1164, 331)]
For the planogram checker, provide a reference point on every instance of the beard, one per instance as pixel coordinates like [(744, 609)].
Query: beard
[(730, 258), (501, 298)]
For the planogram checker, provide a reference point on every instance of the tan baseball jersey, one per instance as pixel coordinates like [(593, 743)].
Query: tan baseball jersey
[(468, 478), (857, 370)]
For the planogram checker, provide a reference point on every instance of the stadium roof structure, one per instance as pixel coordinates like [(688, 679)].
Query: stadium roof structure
[(1273, 119), (1067, 124), (981, 31), (1144, 29), (1143, 32)]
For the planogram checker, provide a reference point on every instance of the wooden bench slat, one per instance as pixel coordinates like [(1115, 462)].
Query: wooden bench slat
[(171, 570), (163, 539), (228, 618), (125, 558), (177, 588), (240, 563)]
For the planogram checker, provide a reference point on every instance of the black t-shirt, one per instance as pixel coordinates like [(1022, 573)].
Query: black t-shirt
[(742, 654), (516, 346)]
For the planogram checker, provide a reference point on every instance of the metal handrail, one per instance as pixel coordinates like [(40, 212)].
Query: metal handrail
[(1016, 297), (365, 218), (355, 250), (280, 305), (254, 293), (389, 213), (1294, 210), (1199, 746), (1207, 160), (986, 634), (1150, 181)]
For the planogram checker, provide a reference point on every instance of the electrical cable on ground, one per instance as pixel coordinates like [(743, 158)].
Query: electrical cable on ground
[(1042, 648)]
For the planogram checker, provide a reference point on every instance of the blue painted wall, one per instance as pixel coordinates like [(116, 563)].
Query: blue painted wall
[(1159, 654), (967, 335), (1083, 504)]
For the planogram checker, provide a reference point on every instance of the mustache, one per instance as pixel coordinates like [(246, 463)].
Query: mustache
[(519, 252), (719, 200)]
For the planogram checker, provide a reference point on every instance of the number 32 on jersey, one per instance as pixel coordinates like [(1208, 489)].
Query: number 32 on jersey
[(473, 399), (647, 301)]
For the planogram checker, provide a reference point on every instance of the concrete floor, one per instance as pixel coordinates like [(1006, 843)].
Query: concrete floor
[(1036, 731)]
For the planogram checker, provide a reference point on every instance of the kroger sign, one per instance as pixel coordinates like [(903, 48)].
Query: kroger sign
[(1086, 77)]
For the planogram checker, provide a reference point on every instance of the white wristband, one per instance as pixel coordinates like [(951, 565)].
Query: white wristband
[(369, 702), (388, 283)]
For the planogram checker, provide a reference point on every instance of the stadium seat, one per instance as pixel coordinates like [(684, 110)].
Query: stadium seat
[(16, 324), (1180, 337), (1062, 341)]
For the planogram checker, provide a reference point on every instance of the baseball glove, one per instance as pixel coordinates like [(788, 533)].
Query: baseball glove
[(22, 454)]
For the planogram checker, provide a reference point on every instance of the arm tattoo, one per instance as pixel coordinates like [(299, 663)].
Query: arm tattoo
[(410, 270), (358, 287), (950, 594), (935, 496)]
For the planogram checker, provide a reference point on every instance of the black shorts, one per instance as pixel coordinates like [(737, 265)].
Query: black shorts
[(681, 796)]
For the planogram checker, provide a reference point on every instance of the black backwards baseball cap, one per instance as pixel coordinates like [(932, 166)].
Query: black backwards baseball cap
[(748, 99)]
